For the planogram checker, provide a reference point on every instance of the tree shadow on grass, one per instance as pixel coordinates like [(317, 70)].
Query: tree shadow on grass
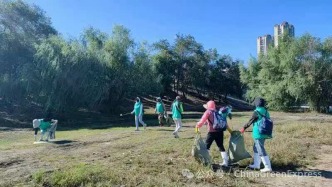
[(188, 138), (293, 169), (62, 142), (313, 173), (169, 130), (326, 174), (231, 168), (10, 129)]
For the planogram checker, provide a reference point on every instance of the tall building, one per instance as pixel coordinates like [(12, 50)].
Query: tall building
[(280, 30), (263, 43)]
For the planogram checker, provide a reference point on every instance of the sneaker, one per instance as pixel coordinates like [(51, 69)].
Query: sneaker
[(136, 129), (176, 135), (144, 126)]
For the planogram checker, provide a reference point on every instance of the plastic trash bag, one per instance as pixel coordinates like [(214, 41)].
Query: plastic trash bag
[(237, 150), (200, 152)]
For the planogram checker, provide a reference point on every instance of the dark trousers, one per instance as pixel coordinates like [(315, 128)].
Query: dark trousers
[(36, 130), (215, 136)]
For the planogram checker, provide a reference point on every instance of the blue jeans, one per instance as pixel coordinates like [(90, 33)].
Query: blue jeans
[(259, 147)]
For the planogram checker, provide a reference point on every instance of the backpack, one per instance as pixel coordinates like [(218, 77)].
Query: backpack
[(265, 126), (36, 123), (219, 123)]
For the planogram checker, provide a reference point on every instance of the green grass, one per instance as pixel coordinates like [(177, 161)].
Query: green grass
[(120, 156), (79, 175)]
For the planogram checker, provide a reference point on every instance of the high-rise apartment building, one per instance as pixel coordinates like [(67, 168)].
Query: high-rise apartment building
[(263, 43), (280, 30)]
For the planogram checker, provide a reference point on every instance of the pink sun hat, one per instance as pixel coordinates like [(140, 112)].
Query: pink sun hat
[(210, 105)]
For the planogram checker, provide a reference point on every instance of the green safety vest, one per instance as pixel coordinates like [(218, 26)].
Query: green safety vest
[(137, 108), (177, 110), (255, 130), (160, 107)]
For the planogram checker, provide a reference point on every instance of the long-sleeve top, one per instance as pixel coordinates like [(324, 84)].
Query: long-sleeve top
[(160, 108), (177, 110), (208, 118), (138, 109), (253, 118)]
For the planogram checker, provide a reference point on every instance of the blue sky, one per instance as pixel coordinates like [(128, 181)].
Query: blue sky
[(231, 27)]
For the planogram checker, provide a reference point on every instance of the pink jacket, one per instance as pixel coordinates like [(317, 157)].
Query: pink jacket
[(207, 115)]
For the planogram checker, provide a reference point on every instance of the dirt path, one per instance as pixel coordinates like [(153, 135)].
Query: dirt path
[(318, 175)]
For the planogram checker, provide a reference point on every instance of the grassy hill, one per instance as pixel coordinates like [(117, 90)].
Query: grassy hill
[(21, 116)]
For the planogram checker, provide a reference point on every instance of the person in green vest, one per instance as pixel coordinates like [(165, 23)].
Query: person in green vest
[(138, 111), (259, 139), (177, 110), (160, 110), (44, 126)]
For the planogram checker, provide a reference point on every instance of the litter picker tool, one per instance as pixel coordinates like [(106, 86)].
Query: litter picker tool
[(125, 114)]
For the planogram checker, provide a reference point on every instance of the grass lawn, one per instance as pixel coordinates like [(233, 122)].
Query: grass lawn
[(120, 156)]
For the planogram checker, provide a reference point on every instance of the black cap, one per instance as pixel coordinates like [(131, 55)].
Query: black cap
[(259, 102)]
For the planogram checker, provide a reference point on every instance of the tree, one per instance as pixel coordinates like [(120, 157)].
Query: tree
[(165, 64), (224, 77), (22, 26), (296, 72), (143, 77), (314, 73), (183, 64)]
